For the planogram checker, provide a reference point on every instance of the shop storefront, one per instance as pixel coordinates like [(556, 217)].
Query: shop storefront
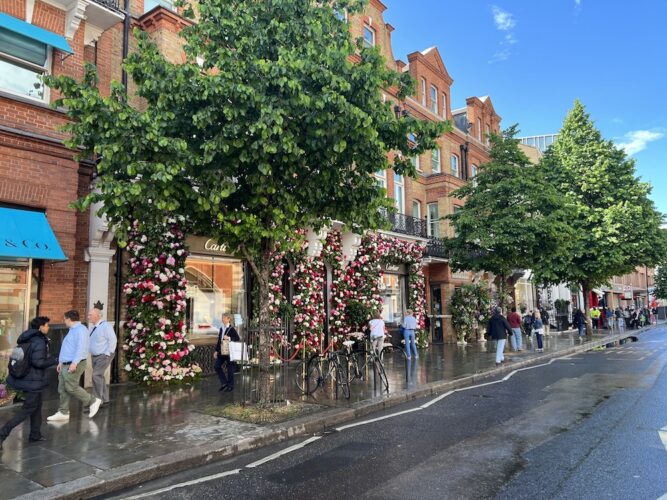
[(26, 241), (393, 290), (217, 285)]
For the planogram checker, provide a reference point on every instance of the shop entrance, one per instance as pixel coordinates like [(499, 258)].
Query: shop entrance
[(436, 314)]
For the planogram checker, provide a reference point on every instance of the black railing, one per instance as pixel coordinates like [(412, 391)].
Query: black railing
[(436, 248), (110, 4), (405, 224)]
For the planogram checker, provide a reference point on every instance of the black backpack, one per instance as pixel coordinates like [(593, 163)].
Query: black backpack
[(19, 361)]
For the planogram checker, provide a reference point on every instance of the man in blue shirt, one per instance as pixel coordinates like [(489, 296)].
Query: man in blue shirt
[(102, 350), (71, 365)]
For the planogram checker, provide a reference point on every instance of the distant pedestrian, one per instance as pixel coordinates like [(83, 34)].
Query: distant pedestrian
[(34, 380), (528, 323), (378, 330), (514, 319), (498, 329), (409, 326), (545, 319), (595, 315), (579, 322), (102, 351), (224, 366), (71, 365), (538, 330)]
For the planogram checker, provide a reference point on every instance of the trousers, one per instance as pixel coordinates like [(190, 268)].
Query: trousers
[(224, 367), (100, 386), (32, 408), (68, 386)]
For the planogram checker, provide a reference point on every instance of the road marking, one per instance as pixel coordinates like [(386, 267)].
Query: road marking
[(663, 436), (280, 453), (187, 483), (364, 422), (435, 400)]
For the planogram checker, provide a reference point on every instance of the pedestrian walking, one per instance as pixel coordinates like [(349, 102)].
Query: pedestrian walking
[(538, 330), (545, 320), (579, 322), (378, 330), (71, 365), (595, 315), (224, 366), (32, 381), (528, 323), (409, 326), (498, 329), (514, 319), (102, 351)]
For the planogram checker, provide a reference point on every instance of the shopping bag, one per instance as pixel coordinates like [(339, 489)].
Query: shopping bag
[(238, 351), (224, 348)]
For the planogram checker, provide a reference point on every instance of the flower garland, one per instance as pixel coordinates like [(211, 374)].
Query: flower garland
[(470, 306), (157, 349)]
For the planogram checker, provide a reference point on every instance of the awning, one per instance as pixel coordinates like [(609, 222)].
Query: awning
[(27, 234), (35, 33)]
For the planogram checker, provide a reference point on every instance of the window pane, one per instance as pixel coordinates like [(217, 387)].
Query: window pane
[(455, 165), (215, 287), (391, 290), (369, 36), (416, 210), (22, 47), (433, 223), (398, 198), (415, 162), (21, 80)]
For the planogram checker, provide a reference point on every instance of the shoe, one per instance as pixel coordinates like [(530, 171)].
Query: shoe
[(498, 364), (229, 388), (222, 387), (417, 356), (95, 407), (408, 358), (36, 440), (58, 417)]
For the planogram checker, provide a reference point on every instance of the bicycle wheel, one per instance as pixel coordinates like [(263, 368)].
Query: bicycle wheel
[(355, 361), (341, 377), (301, 370), (313, 375), (382, 375)]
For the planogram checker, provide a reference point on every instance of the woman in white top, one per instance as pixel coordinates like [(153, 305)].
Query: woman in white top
[(378, 330)]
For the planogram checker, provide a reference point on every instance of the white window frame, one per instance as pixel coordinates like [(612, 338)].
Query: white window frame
[(44, 70), (436, 153), (479, 130), (399, 193), (371, 30), (381, 177), (417, 164), (424, 92), (473, 174), (416, 204), (432, 226), (434, 99), (451, 165), (444, 105)]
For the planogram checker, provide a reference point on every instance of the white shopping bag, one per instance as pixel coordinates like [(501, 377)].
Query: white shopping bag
[(238, 351)]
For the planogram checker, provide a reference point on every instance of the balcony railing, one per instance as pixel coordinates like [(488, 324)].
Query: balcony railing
[(405, 224), (110, 4), (436, 248)]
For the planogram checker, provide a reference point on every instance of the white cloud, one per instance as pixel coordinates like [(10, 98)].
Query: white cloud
[(637, 140), (503, 19), (617, 120), (577, 2)]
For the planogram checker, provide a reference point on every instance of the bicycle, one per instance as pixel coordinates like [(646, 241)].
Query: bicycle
[(322, 367), (378, 369)]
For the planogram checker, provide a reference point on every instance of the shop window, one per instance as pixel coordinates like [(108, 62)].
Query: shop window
[(14, 302), (392, 290), (215, 287), (22, 62)]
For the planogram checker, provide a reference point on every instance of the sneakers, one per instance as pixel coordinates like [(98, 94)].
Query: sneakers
[(58, 417), (94, 407)]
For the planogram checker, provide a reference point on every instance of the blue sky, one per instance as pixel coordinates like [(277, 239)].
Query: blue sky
[(535, 58)]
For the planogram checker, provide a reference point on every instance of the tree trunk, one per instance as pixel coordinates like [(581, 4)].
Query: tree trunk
[(586, 290), (264, 383)]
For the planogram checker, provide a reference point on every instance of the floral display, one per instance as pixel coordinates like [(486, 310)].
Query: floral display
[(156, 347), (471, 308)]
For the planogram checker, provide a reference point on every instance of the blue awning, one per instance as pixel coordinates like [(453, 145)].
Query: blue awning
[(26, 234), (34, 32)]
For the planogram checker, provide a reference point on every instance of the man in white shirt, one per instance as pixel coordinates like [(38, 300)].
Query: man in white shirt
[(378, 330), (102, 350)]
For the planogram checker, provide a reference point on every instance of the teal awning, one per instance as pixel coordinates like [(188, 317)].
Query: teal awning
[(35, 33), (26, 234)]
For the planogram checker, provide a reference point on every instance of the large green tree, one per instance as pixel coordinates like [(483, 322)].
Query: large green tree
[(616, 226), (274, 122), (661, 283), (512, 218)]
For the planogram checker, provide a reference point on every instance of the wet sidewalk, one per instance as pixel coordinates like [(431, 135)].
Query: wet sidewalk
[(149, 431)]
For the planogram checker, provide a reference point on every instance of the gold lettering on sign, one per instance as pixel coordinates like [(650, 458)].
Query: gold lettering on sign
[(215, 247)]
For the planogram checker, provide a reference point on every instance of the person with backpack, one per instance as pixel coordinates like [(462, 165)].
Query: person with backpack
[(27, 372), (579, 322), (545, 320)]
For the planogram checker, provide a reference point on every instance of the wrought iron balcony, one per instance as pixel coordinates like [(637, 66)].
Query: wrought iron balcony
[(436, 248), (110, 4), (405, 224)]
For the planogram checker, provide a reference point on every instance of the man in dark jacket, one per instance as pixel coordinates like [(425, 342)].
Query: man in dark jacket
[(224, 366), (35, 380), (498, 329)]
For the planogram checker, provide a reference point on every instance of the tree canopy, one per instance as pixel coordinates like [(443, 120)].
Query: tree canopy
[(512, 218)]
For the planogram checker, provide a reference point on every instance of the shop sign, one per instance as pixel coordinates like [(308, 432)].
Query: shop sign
[(203, 245), (395, 268)]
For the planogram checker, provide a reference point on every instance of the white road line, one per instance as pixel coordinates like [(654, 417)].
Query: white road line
[(435, 400), (187, 483), (283, 452), (364, 422)]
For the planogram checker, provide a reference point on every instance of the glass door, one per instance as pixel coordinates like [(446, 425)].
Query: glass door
[(14, 300), (437, 316)]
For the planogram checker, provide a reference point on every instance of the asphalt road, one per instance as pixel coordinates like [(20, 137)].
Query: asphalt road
[(582, 427)]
